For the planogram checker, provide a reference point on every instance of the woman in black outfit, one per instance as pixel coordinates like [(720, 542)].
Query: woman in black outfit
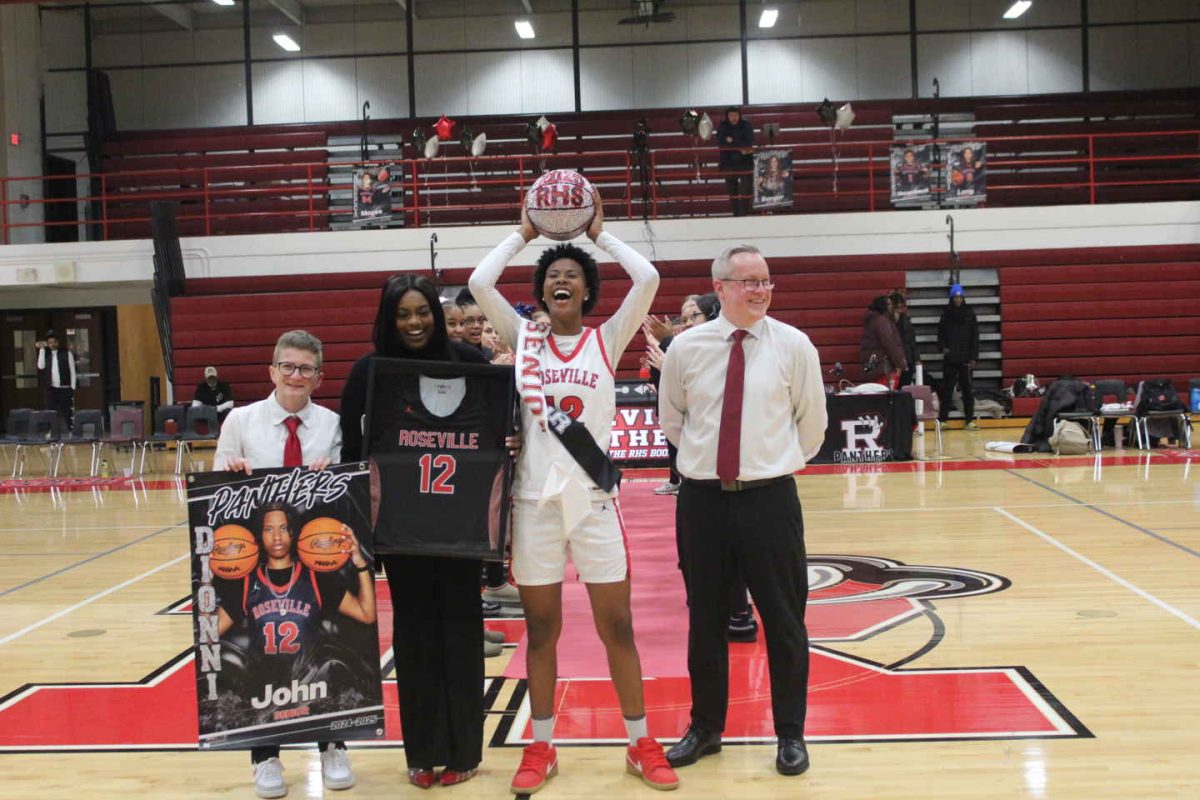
[(437, 620)]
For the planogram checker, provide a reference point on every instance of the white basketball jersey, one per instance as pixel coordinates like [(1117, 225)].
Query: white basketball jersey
[(580, 384)]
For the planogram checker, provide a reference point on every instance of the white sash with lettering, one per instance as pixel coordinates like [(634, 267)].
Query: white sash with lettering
[(562, 482)]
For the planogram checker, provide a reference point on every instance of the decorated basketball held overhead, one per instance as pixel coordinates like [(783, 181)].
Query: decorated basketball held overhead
[(560, 204)]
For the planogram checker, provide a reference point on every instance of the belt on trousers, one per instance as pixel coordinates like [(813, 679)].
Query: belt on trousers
[(736, 486)]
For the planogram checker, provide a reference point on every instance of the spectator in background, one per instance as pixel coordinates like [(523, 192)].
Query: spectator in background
[(215, 393), (454, 320), (958, 339), (908, 337), (882, 351), (56, 372), (473, 321), (735, 138)]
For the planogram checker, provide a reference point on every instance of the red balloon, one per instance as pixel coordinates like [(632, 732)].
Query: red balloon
[(444, 128), (549, 137)]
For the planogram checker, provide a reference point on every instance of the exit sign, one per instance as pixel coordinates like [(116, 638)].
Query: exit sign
[(14, 139)]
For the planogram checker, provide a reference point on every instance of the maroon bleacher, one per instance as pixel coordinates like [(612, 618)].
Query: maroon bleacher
[(1125, 313)]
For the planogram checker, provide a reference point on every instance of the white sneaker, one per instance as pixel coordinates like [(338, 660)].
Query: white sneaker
[(335, 769), (268, 779), (504, 595), (668, 488)]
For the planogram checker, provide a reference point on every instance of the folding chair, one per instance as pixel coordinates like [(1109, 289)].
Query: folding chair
[(1089, 414), (202, 426), (1117, 390), (124, 428), (1180, 416), (16, 427), (44, 433), (169, 424), (87, 428), (929, 409)]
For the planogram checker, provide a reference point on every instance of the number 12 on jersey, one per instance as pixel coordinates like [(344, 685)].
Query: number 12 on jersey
[(444, 465)]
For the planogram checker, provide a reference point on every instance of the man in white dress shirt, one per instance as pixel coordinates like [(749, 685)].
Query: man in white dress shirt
[(56, 366), (743, 400), (287, 430)]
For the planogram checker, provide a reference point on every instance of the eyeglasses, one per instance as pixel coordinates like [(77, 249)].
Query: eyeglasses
[(474, 320), (750, 284), (699, 316), (288, 369)]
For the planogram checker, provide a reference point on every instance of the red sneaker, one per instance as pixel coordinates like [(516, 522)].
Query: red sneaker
[(647, 759), (423, 778), (538, 765), (453, 776)]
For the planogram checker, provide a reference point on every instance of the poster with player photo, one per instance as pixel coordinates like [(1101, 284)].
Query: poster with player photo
[(287, 648), (440, 470), (373, 194), (773, 179), (912, 179), (966, 173)]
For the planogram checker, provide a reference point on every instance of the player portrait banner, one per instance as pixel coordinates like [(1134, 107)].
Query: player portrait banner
[(441, 474), (287, 648), (966, 173), (773, 179), (373, 194), (912, 175)]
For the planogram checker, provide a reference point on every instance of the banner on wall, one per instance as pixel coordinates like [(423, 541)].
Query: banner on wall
[(773, 179), (373, 194), (287, 648), (636, 439), (966, 173), (912, 180)]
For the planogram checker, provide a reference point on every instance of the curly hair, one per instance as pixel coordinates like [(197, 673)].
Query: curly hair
[(591, 273), (292, 516)]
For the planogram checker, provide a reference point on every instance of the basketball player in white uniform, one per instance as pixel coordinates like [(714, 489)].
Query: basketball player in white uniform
[(558, 509)]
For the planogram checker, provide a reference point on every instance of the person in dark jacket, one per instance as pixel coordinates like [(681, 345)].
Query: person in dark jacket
[(908, 337), (214, 392), (437, 619), (882, 350), (958, 339), (735, 137), (56, 371)]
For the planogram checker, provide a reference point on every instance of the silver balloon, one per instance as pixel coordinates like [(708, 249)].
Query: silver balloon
[(845, 116), (431, 146), (479, 145), (705, 128)]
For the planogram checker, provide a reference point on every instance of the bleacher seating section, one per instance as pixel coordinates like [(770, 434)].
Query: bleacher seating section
[(258, 177), (1127, 313)]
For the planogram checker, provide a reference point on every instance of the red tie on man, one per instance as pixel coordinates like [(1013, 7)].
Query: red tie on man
[(293, 454), (729, 440)]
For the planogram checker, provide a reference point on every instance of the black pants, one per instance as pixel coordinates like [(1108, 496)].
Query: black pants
[(61, 400), (672, 454), (741, 193), (437, 625), (258, 754), (759, 532), (953, 373), (495, 575)]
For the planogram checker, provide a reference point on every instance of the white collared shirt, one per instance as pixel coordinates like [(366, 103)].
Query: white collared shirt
[(783, 406), (256, 433), (57, 381)]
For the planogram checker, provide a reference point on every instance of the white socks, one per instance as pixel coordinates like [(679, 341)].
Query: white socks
[(543, 729), (636, 728)]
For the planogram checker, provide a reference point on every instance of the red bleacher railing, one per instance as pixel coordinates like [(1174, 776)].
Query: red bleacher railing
[(679, 182)]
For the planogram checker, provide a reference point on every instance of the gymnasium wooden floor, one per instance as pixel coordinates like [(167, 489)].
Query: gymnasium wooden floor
[(991, 627)]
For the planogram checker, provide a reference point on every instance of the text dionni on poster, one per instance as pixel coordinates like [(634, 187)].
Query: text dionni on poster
[(966, 173), (912, 175), (276, 659), (373, 194), (773, 179)]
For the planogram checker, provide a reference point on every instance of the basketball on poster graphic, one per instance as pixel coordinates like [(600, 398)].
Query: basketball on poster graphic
[(322, 545), (560, 204), (235, 552)]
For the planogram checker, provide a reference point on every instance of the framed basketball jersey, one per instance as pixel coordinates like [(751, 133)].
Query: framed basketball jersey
[(440, 472)]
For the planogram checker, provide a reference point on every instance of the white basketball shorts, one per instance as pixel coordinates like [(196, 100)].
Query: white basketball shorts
[(540, 547)]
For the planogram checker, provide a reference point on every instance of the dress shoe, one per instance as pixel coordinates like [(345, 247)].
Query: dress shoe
[(695, 745), (791, 757), (743, 627)]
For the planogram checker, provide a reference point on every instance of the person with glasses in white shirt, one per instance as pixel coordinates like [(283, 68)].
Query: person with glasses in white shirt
[(743, 400), (287, 430)]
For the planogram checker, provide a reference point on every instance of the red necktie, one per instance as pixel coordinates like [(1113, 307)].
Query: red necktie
[(293, 454), (729, 441)]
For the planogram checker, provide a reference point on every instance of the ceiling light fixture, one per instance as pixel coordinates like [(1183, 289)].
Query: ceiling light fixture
[(524, 28), (1017, 9), (286, 42), (223, 2), (767, 20)]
